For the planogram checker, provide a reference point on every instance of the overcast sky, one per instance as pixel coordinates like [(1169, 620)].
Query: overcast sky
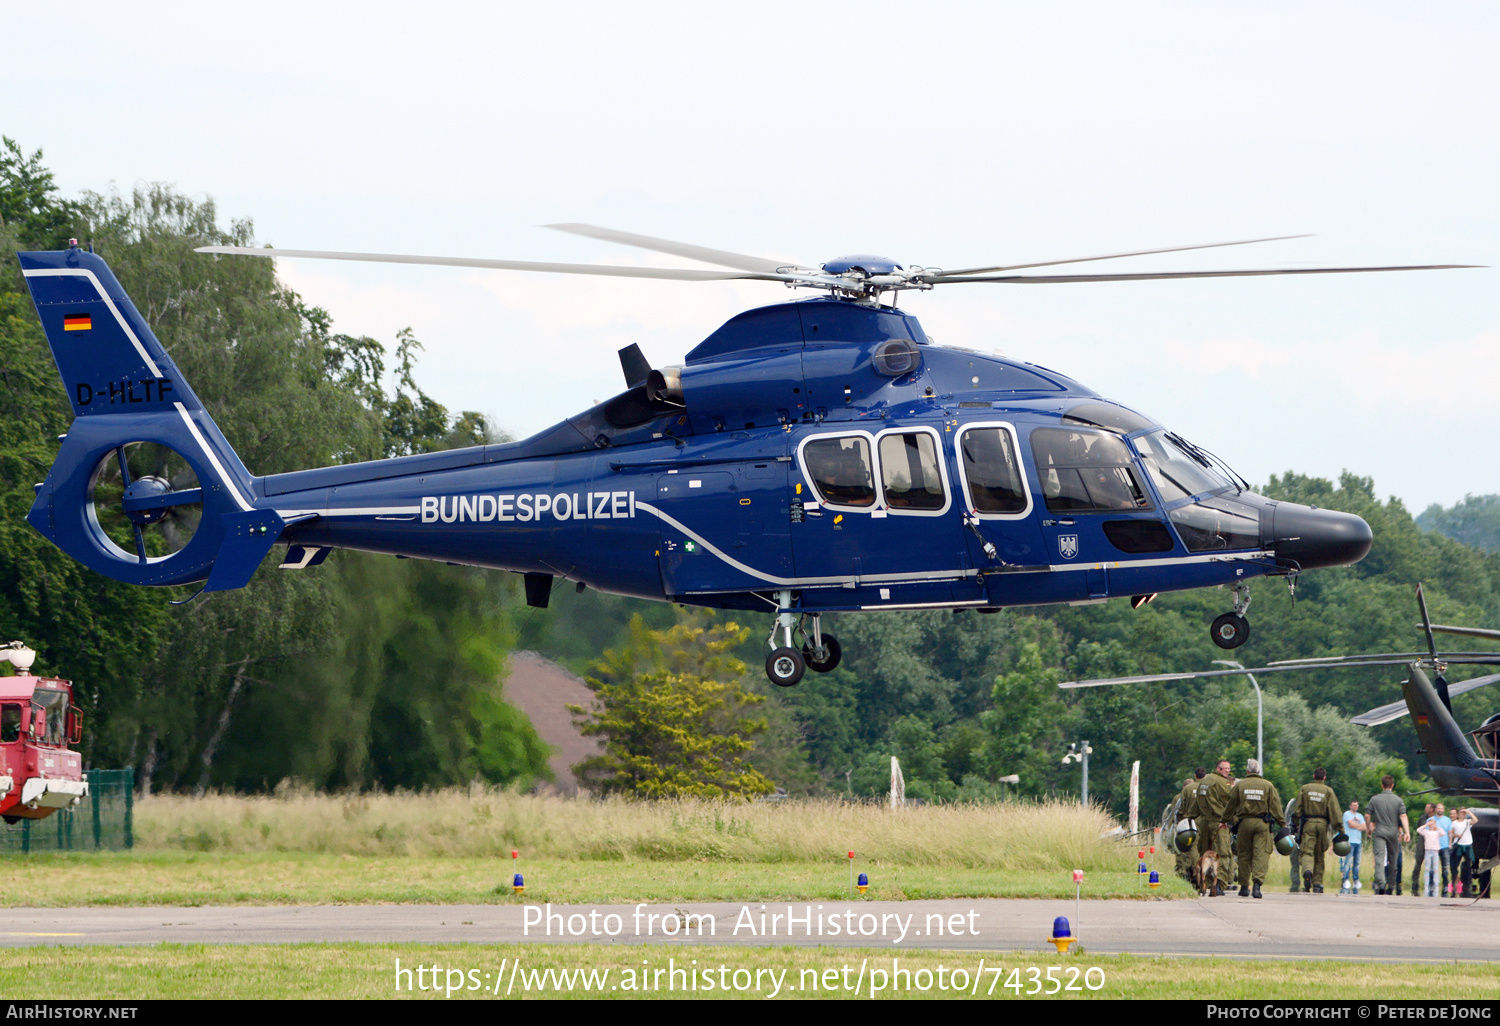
[(937, 134)]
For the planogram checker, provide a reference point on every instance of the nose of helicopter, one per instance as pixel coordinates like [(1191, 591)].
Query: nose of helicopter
[(1313, 537)]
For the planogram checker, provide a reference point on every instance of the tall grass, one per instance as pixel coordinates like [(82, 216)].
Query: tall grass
[(488, 822)]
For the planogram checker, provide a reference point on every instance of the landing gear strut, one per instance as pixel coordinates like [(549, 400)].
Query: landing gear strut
[(788, 661), (1232, 629), (821, 651)]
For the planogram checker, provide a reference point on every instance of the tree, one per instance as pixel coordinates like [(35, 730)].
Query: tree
[(29, 204), (96, 631), (1025, 726), (365, 671), (1475, 521), (674, 715)]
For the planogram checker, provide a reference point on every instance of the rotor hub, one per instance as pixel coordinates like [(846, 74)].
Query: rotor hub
[(148, 487), (864, 264)]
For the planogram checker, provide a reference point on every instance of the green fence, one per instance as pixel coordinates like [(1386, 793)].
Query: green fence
[(101, 822)]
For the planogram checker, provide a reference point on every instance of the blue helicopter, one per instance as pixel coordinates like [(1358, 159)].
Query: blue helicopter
[(807, 457)]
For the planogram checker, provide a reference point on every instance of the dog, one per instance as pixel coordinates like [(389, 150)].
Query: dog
[(1206, 874)]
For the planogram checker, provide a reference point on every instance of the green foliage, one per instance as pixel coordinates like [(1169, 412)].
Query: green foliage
[(363, 672), (29, 205), (82, 625), (1406, 787), (1023, 727), (674, 716), (1474, 522)]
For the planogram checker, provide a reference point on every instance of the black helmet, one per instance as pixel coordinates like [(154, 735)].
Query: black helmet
[(1341, 844), (1187, 836), (1285, 842)]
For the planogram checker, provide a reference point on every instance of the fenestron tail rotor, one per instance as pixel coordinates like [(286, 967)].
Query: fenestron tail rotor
[(151, 509), (854, 277)]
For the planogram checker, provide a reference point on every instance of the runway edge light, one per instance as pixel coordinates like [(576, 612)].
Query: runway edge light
[(1062, 935)]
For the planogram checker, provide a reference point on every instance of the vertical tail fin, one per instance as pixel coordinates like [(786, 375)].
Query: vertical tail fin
[(124, 389), (1441, 738)]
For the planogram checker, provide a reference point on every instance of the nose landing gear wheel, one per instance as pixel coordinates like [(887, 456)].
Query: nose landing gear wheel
[(785, 667), (1230, 631), (832, 653)]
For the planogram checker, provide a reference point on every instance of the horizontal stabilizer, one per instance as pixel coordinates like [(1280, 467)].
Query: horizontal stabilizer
[(300, 557), (1396, 710), (248, 537)]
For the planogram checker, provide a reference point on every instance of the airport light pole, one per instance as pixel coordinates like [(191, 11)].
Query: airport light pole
[(1260, 711), (1079, 752)]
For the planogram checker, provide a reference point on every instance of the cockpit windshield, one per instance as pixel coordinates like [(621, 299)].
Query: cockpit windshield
[(1178, 471), (53, 705)]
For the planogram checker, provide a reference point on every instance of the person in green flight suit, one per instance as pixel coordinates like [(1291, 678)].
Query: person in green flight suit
[(1253, 806), (1187, 809), (1213, 829), (1317, 810)]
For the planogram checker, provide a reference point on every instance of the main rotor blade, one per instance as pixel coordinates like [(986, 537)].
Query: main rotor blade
[(1486, 660), (1468, 632), (1056, 279), (1116, 256), (1199, 675), (1426, 622), (669, 273), (1384, 658), (1396, 710), (683, 249)]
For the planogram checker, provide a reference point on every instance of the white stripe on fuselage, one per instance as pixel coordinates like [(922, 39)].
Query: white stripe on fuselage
[(912, 577), (1131, 564)]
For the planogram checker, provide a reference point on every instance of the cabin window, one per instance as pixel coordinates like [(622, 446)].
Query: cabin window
[(1084, 471), (991, 470), (1137, 536), (841, 470), (911, 471), (1217, 524), (10, 723), (53, 705), (1107, 416)]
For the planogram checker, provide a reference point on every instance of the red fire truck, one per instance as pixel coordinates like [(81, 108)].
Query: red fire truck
[(38, 721)]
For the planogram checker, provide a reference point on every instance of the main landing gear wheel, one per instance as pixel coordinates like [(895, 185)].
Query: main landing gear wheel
[(832, 653), (785, 667), (1230, 630)]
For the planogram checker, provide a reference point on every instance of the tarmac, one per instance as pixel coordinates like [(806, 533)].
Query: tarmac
[(1280, 926)]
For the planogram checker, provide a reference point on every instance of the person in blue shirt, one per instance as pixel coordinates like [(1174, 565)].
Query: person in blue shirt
[(1445, 849), (1356, 827)]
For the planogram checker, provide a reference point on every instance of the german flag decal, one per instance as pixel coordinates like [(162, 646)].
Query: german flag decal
[(1422, 719), (78, 322)]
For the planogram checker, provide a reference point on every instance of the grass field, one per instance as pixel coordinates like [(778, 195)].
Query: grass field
[(369, 971), (454, 847), (296, 878), (487, 822)]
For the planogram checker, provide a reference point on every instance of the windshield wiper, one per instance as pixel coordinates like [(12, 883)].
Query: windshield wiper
[(1210, 461)]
